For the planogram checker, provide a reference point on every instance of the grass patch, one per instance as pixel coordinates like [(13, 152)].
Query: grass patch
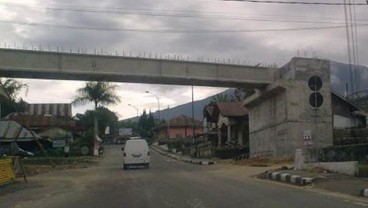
[(363, 170)]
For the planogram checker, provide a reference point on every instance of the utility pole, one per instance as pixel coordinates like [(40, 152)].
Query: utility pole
[(193, 125)]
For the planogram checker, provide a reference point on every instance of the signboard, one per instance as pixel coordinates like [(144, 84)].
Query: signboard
[(58, 143), (107, 130), (307, 137), (125, 132)]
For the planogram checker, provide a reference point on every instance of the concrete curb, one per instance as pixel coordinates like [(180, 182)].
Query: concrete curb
[(187, 160), (364, 192), (288, 178)]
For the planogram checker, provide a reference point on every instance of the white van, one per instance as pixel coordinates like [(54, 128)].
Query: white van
[(136, 152)]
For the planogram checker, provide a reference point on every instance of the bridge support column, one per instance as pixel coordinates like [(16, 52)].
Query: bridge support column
[(280, 115)]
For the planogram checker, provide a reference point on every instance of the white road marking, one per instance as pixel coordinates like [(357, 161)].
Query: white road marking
[(360, 204), (196, 203)]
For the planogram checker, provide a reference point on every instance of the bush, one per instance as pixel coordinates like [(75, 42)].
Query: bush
[(174, 145), (363, 170)]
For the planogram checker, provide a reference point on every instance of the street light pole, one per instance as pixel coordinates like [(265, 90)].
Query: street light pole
[(158, 105), (135, 108)]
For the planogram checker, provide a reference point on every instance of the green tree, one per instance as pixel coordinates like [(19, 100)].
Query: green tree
[(105, 118), (99, 93), (13, 88), (10, 101), (146, 125)]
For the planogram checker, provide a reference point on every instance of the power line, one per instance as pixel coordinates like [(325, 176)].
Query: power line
[(109, 11), (109, 29), (302, 3)]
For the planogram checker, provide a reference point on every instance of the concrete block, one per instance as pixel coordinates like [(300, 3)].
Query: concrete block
[(364, 192), (299, 181), (295, 178), (278, 177), (269, 176), (307, 181), (283, 177), (274, 175), (287, 178)]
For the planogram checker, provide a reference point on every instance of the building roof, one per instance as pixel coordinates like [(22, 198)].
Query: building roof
[(182, 121), (232, 109), (10, 130), (55, 109), (356, 107), (40, 121)]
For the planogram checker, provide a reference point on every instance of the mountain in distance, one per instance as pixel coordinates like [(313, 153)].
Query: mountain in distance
[(186, 109), (340, 75)]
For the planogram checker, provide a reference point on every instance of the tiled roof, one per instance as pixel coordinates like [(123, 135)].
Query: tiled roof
[(183, 120), (232, 109), (40, 121)]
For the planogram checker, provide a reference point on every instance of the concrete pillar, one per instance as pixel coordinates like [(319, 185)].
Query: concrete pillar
[(229, 132), (219, 137)]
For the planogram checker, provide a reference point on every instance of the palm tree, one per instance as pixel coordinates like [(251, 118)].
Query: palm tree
[(12, 88), (9, 91), (98, 93)]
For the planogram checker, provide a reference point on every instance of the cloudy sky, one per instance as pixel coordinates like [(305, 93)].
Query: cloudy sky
[(209, 29)]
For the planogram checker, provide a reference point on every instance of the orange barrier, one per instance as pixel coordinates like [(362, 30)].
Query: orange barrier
[(7, 173)]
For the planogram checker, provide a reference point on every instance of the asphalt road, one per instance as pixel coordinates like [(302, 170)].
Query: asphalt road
[(168, 183)]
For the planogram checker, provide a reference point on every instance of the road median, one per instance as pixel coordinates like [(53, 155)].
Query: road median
[(182, 158)]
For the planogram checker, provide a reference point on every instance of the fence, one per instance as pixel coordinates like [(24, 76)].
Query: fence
[(254, 155), (229, 153), (357, 152)]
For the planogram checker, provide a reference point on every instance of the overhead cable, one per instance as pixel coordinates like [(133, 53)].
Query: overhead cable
[(199, 31), (303, 3)]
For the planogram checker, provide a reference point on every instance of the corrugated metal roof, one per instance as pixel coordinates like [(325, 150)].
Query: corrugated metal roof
[(54, 109), (40, 121), (232, 109), (12, 130)]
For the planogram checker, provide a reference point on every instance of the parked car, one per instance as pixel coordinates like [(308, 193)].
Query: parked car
[(136, 152)]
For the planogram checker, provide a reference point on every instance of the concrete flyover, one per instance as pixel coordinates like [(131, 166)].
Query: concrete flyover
[(74, 66)]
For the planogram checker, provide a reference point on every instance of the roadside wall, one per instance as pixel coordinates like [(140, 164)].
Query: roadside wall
[(347, 168)]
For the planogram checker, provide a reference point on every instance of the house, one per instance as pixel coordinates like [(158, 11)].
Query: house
[(53, 121), (227, 121), (11, 131), (181, 127)]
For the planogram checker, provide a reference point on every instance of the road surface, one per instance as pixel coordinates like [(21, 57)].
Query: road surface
[(168, 183)]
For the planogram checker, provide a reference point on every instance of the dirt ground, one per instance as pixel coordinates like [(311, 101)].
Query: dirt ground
[(36, 166), (42, 165)]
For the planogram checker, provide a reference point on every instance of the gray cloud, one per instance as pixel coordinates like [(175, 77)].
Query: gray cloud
[(252, 48)]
